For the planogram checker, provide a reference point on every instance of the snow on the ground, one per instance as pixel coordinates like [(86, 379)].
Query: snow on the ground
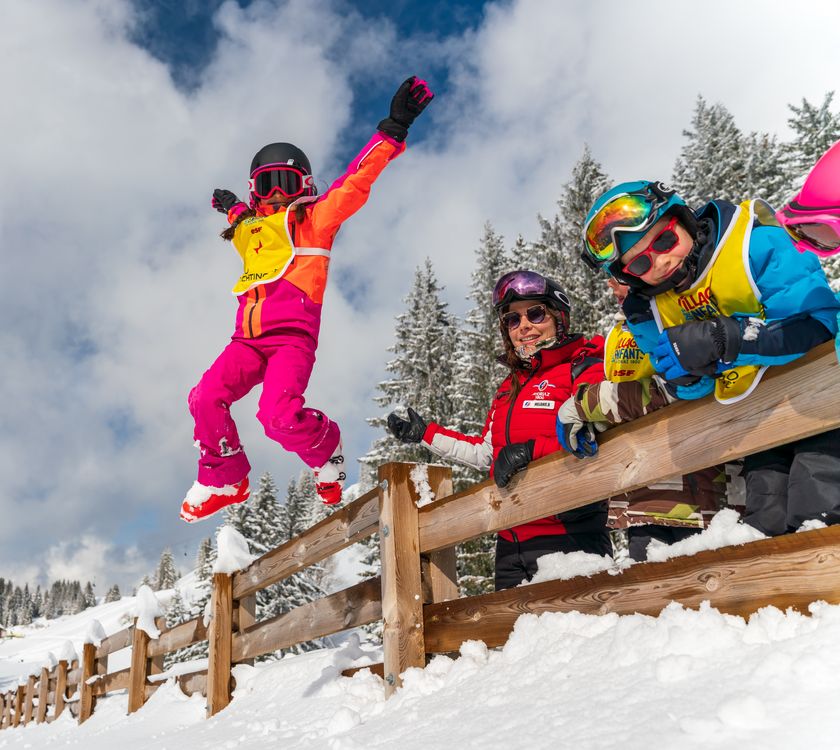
[(685, 679)]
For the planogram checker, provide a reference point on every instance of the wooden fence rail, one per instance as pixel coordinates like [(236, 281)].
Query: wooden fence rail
[(416, 596)]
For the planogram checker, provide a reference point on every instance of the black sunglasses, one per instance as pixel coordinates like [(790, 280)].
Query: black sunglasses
[(535, 315)]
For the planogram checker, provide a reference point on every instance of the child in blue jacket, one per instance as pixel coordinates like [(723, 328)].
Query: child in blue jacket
[(716, 297)]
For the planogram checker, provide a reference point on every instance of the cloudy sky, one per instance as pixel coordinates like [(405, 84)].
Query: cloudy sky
[(120, 118)]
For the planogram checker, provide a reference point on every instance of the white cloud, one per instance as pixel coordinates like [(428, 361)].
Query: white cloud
[(94, 559), (116, 284)]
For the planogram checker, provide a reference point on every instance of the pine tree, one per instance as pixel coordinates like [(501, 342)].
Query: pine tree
[(113, 594), (166, 575), (767, 169), (421, 369), (592, 302), (205, 559), (89, 596), (476, 380), (712, 163), (176, 613), (260, 524), (815, 129)]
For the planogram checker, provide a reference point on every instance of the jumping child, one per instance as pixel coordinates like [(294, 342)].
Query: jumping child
[(284, 237)]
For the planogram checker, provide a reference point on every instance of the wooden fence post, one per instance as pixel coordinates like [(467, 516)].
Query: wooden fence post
[(402, 591), (440, 572), (86, 697), (220, 638), (30, 699), (4, 703), (139, 670), (60, 688), (43, 695), (20, 694)]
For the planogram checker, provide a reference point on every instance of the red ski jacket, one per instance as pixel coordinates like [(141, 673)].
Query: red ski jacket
[(550, 379)]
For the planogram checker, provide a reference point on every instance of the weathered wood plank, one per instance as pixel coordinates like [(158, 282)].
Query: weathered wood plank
[(786, 571), (684, 437), (350, 608), (245, 616), (139, 669), (60, 687), (439, 569), (377, 669), (195, 682), (402, 591), (114, 642), (113, 681), (221, 632), (43, 695), (29, 701), (347, 526), (86, 692), (20, 697), (179, 636)]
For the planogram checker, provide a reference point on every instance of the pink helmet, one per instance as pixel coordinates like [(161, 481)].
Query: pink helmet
[(812, 218)]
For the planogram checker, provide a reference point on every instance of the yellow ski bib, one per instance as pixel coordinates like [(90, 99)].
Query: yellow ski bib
[(623, 360), (265, 248), (726, 288)]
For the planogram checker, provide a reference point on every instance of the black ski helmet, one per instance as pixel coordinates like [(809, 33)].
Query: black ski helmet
[(530, 285), (283, 153)]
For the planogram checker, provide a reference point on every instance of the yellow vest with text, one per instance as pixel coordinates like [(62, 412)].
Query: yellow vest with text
[(725, 288), (623, 359), (265, 248)]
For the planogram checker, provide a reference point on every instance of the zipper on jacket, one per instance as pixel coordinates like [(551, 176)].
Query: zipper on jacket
[(251, 312), (513, 402)]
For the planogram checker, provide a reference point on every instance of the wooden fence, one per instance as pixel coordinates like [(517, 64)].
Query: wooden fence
[(416, 595)]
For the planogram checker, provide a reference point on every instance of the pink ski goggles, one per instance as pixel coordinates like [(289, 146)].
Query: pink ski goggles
[(817, 230), (289, 181)]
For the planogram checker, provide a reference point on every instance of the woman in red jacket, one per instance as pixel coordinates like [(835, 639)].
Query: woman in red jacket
[(546, 364)]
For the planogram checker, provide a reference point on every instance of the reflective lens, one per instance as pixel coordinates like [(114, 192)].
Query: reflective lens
[(664, 242), (518, 283), (535, 315), (289, 181), (630, 212), (823, 236)]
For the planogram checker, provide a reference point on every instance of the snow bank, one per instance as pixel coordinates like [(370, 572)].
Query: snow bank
[(725, 529), (146, 609)]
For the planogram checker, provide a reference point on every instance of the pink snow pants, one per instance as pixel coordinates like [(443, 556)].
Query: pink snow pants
[(283, 364)]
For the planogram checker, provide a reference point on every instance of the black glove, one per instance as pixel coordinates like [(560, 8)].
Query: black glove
[(223, 200), (512, 458), (412, 97), (409, 430), (697, 348)]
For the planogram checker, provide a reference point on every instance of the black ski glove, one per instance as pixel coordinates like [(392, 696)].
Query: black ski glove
[(697, 348), (409, 430), (224, 200), (412, 97), (512, 458)]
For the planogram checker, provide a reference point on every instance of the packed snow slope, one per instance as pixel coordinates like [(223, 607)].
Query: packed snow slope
[(684, 679)]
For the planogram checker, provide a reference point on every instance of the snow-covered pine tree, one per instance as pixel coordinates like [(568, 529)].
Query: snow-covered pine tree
[(165, 575), (260, 525), (477, 378), (520, 254), (176, 613), (422, 367), (767, 169), (815, 128), (205, 559), (89, 596), (113, 594), (478, 373), (593, 305), (712, 162), (293, 517)]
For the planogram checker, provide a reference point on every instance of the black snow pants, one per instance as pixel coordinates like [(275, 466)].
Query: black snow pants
[(794, 483)]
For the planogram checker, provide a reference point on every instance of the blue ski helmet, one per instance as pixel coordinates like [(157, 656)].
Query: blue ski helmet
[(620, 216)]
